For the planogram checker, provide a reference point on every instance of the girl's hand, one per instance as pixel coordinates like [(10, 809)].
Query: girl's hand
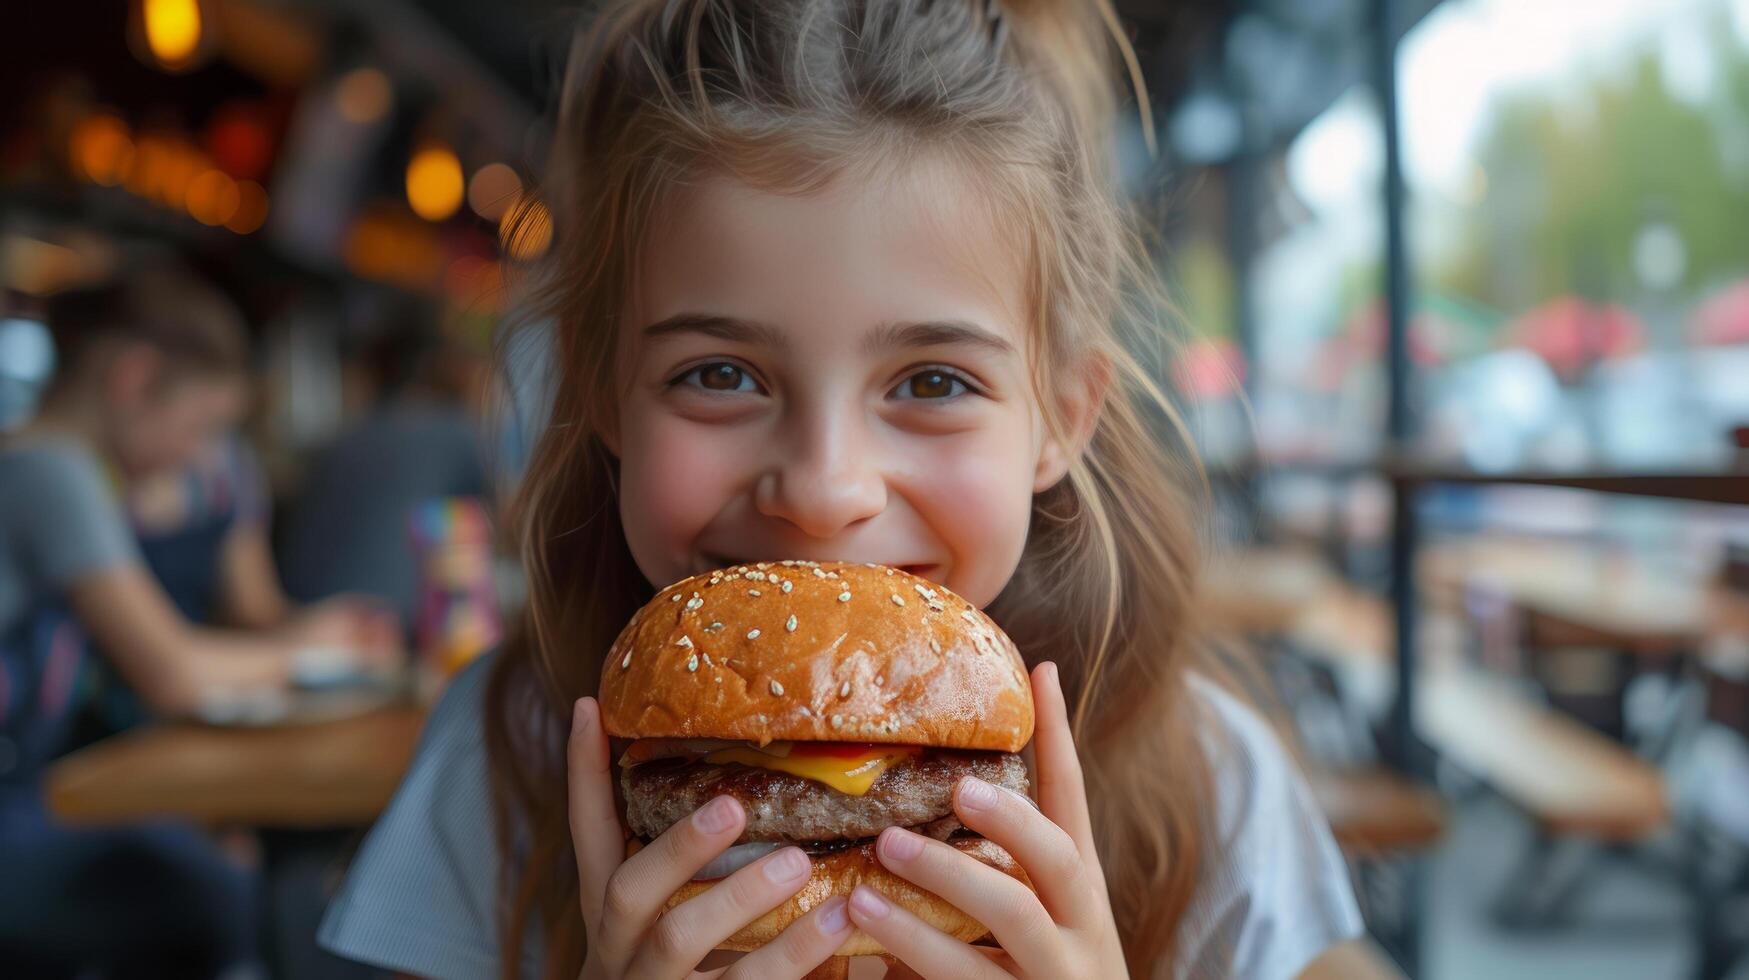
[(622, 898), (1065, 930)]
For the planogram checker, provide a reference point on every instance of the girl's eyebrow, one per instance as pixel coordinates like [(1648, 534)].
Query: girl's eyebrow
[(888, 336)]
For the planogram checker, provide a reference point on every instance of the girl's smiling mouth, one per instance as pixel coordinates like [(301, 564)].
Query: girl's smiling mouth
[(709, 561)]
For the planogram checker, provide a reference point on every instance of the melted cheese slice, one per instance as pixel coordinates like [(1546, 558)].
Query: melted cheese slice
[(848, 774)]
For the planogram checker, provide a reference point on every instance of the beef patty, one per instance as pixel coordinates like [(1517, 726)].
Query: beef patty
[(783, 807)]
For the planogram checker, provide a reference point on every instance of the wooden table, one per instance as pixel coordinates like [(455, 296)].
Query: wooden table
[(1575, 594), (320, 775)]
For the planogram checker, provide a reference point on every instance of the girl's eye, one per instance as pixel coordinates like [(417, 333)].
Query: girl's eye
[(719, 376), (933, 383)]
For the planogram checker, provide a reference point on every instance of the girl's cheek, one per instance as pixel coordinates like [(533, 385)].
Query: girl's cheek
[(975, 496), (675, 477)]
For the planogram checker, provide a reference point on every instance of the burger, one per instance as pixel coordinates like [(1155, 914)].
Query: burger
[(833, 700)]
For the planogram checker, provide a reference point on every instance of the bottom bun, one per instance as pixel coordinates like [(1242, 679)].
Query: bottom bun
[(839, 872)]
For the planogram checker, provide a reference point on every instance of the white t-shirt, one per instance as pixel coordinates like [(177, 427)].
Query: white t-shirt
[(421, 896)]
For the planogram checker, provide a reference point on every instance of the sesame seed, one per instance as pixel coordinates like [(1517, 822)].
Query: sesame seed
[(968, 616), (694, 602), (713, 627), (924, 590), (889, 571), (674, 598), (807, 712), (788, 563), (844, 690), (776, 689), (692, 663), (719, 678), (935, 644), (831, 574), (752, 634), (763, 564), (786, 586), (754, 592), (837, 721), (707, 661), (790, 624), (880, 680), (898, 601), (843, 597), (937, 607), (818, 573), (626, 662), (684, 641)]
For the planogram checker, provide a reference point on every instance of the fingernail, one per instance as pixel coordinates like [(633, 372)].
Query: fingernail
[(868, 902), (580, 714), (900, 845), (786, 865), (1051, 669), (834, 917), (975, 794), (716, 816)]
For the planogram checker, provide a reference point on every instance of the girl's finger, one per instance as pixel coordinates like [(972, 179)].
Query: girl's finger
[(805, 944), (1061, 792), (1050, 856), (925, 949), (639, 888), (1009, 908), (686, 933), (595, 830)]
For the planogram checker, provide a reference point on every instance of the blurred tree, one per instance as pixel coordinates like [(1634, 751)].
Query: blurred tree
[(1575, 178)]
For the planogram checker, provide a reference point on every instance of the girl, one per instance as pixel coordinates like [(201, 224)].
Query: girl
[(850, 279)]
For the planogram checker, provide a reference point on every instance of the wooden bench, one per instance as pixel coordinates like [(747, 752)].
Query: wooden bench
[(1374, 811), (1573, 781)]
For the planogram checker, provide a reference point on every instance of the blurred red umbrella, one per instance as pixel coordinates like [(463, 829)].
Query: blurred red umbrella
[(1572, 334), (1724, 318)]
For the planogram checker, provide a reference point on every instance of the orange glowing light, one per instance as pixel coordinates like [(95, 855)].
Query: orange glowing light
[(526, 230), (172, 30), (251, 210), (213, 198), (434, 182), (364, 95), (101, 147)]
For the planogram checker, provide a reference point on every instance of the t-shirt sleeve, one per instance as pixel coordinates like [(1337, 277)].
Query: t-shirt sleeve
[(76, 525), (421, 895), (1275, 892)]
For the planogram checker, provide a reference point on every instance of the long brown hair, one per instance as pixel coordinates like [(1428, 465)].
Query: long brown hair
[(789, 95)]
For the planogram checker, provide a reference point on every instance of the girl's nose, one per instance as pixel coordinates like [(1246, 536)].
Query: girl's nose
[(824, 483)]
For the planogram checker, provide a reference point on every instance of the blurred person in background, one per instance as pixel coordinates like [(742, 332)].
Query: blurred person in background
[(152, 370), (348, 528)]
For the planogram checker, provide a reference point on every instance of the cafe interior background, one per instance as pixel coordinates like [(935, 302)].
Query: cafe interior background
[(1464, 289)]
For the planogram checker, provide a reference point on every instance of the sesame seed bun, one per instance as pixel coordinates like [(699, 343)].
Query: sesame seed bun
[(816, 651), (840, 872)]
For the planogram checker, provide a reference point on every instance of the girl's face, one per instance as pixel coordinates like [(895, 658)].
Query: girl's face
[(839, 376)]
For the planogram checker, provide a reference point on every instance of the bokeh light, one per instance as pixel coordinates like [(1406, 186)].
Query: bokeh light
[(493, 189), (102, 149), (252, 207), (434, 182), (172, 30), (526, 230), (364, 95), (213, 198)]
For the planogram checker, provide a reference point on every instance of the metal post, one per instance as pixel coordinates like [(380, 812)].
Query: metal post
[(1399, 433)]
